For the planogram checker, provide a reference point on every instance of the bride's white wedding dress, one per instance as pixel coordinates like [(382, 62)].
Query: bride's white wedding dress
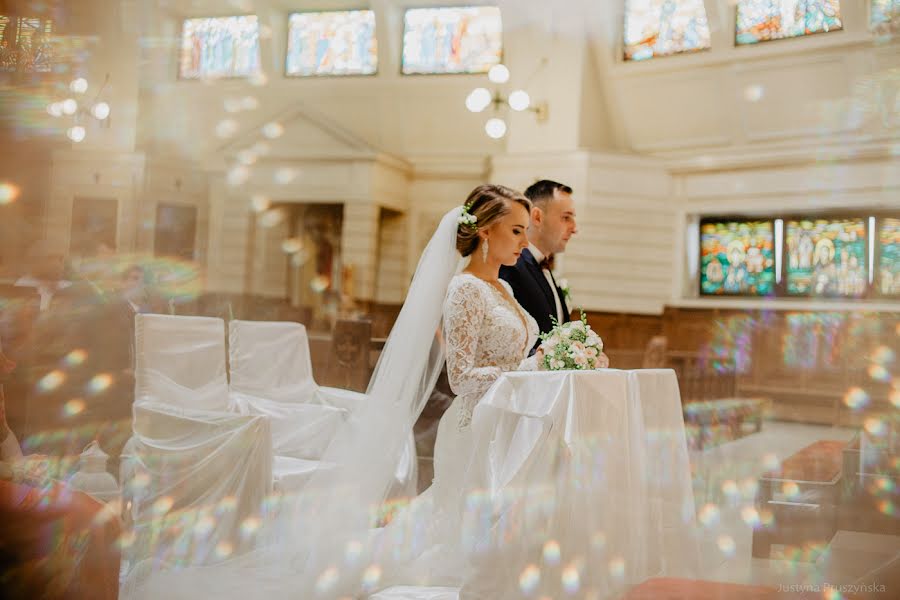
[(486, 333)]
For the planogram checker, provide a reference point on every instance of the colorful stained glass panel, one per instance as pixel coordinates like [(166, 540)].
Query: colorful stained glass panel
[(763, 20), (884, 16), (25, 44), (664, 27), (332, 43), (219, 47), (889, 257), (826, 257), (452, 40), (737, 258)]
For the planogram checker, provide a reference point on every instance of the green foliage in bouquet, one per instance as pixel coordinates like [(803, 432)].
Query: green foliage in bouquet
[(571, 346)]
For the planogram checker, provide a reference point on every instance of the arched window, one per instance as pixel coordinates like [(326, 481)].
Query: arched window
[(664, 27), (764, 20)]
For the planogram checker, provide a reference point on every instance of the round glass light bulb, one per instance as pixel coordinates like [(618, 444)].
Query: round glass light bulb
[(100, 110), (499, 74), (55, 109), (495, 128), (79, 86), (519, 100), (76, 133), (478, 100), (69, 106)]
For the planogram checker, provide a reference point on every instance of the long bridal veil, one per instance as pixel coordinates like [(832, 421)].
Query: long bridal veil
[(321, 542)]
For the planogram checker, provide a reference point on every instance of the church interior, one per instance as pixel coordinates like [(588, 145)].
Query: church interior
[(735, 167)]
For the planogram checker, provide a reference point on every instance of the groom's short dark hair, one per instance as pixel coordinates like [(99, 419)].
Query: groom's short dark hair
[(541, 192)]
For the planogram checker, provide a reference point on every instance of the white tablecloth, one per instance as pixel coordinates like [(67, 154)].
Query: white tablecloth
[(583, 482)]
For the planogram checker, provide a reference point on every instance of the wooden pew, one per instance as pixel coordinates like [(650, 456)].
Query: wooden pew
[(802, 496)]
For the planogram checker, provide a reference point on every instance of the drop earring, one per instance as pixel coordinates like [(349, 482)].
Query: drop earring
[(484, 250)]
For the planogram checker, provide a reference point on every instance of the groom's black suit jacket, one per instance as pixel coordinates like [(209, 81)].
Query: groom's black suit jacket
[(532, 291)]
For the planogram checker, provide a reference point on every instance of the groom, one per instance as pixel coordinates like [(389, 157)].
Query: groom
[(552, 225)]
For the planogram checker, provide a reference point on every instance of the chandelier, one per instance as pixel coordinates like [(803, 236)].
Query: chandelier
[(480, 99), (80, 110)]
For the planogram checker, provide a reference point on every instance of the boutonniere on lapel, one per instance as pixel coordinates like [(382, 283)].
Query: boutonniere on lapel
[(564, 286)]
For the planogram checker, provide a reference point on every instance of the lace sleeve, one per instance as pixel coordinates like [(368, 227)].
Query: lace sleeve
[(463, 315)]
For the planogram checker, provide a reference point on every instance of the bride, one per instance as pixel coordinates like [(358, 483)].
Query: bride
[(323, 543)]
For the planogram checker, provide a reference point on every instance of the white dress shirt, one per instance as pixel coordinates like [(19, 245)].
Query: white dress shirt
[(539, 256)]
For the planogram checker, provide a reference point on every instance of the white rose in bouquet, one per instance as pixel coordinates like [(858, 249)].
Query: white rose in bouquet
[(571, 346)]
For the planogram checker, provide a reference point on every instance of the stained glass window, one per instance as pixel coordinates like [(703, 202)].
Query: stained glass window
[(219, 47), (762, 20), (826, 257), (884, 16), (664, 27), (737, 257), (452, 40), (332, 43), (25, 44), (889, 257)]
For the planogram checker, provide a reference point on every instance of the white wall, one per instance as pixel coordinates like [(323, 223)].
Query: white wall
[(809, 90)]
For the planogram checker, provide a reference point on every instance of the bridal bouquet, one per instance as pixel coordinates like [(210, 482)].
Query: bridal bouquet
[(571, 346)]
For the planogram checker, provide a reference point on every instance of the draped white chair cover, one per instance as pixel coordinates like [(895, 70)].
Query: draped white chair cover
[(197, 481), (271, 374), (191, 465), (271, 360), (181, 361)]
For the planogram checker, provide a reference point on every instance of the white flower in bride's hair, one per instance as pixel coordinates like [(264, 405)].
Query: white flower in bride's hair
[(467, 219)]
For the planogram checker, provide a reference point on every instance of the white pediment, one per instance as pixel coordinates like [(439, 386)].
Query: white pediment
[(304, 134)]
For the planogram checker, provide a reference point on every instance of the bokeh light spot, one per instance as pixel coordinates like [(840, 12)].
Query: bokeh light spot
[(163, 505), (371, 576), (8, 193), (250, 526), (327, 579), (617, 567), (750, 516), (876, 426), (571, 579), (75, 357), (99, 383), (224, 549), (551, 552), (726, 545), (709, 514), (856, 398), (74, 407), (790, 489), (51, 381), (529, 579)]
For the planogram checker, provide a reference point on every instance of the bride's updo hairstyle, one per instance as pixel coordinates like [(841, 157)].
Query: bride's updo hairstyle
[(487, 203)]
